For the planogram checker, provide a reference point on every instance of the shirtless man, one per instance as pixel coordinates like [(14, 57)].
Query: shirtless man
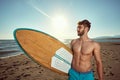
[(83, 50)]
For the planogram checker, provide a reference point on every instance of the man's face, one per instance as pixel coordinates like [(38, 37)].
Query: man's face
[(80, 30)]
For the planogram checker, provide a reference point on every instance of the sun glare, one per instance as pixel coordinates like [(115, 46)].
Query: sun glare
[(59, 22), (59, 25)]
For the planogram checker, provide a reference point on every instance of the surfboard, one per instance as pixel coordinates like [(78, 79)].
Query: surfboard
[(44, 49)]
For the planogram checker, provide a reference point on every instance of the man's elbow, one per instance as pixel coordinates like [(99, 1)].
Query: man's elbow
[(98, 63)]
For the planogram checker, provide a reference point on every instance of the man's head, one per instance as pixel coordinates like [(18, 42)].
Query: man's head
[(83, 26)]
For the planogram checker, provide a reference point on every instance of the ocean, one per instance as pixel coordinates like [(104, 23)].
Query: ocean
[(10, 48)]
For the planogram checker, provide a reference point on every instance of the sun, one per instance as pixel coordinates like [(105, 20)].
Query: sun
[(59, 22), (59, 26)]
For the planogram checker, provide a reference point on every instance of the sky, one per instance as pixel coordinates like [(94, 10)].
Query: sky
[(59, 18)]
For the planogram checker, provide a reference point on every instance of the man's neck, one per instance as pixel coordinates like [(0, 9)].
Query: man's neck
[(84, 38)]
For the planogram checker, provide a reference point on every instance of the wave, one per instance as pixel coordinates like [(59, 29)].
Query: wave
[(13, 51), (9, 48)]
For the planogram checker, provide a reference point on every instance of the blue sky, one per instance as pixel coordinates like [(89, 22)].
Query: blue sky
[(104, 16)]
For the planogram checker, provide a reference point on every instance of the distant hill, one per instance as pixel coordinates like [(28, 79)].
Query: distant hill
[(99, 39), (108, 37)]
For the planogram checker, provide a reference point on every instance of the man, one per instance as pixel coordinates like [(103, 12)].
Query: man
[(83, 50)]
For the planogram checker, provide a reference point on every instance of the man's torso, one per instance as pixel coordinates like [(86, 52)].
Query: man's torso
[(82, 54)]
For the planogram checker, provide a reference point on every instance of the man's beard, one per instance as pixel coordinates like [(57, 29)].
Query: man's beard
[(81, 33)]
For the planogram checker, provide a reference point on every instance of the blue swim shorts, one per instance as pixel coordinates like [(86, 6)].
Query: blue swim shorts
[(74, 75)]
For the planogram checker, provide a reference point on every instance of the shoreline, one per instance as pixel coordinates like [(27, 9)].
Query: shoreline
[(20, 67), (12, 56)]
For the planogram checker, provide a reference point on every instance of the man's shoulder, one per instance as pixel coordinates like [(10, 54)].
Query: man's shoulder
[(96, 44), (73, 41)]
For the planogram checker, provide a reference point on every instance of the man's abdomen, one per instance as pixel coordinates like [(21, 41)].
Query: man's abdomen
[(81, 66)]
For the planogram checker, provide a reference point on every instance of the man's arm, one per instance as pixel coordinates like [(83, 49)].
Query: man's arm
[(71, 44), (98, 61)]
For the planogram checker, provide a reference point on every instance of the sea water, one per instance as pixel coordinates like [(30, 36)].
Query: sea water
[(9, 48)]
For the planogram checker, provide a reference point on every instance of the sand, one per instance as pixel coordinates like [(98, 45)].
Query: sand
[(22, 68)]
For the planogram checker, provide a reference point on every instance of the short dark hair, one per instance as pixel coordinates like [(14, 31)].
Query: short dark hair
[(86, 23)]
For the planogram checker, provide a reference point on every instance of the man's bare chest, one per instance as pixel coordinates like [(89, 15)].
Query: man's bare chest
[(84, 48)]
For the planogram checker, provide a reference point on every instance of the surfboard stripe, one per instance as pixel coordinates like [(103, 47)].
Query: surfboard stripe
[(62, 59)]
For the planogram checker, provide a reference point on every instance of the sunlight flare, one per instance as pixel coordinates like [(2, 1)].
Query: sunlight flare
[(59, 22)]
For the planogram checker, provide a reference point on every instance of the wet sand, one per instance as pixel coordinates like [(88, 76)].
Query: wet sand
[(22, 68)]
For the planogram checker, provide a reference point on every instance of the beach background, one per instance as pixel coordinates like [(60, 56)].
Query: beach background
[(15, 65), (58, 18)]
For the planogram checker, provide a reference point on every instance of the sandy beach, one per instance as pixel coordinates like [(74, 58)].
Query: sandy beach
[(22, 68)]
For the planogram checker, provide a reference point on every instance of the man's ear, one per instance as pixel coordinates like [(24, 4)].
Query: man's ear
[(86, 29)]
